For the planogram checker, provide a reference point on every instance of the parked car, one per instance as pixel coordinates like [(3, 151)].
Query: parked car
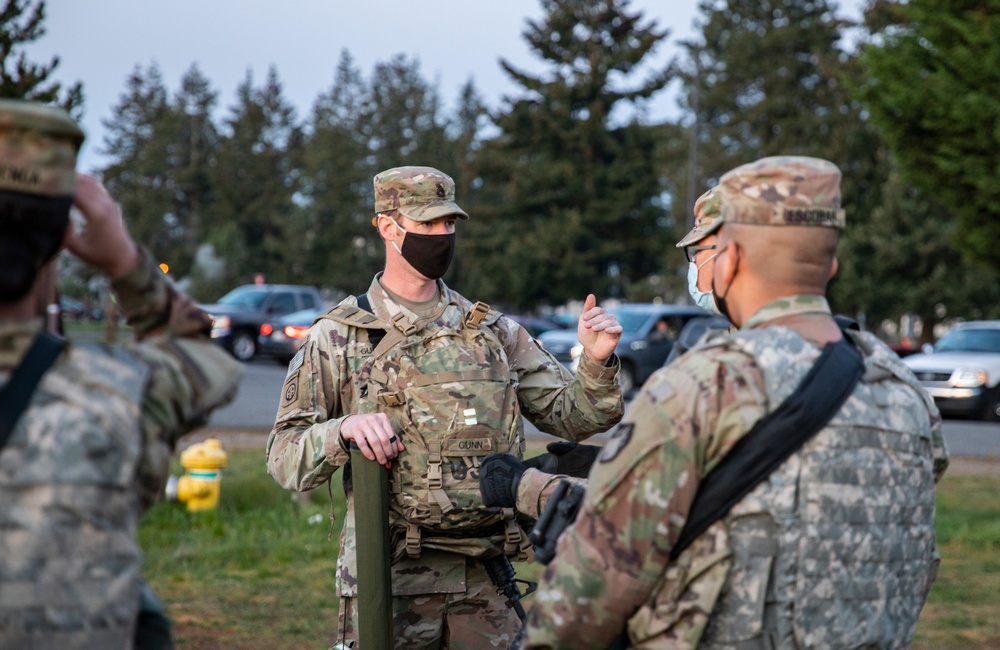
[(238, 315), (72, 308), (962, 370), (694, 330), (648, 332), (281, 338), (535, 325)]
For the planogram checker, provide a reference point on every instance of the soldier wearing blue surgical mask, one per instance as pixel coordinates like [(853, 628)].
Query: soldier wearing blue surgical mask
[(699, 248)]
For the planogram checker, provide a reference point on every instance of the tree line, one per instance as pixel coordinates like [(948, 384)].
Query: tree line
[(570, 186)]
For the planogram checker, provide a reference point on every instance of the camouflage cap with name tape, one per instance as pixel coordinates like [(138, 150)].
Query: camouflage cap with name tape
[(783, 191), (420, 193), (38, 149)]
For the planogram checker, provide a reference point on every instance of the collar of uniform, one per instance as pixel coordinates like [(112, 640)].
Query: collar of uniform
[(16, 337), (787, 306), (385, 307)]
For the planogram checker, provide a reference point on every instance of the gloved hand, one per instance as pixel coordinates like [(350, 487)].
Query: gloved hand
[(499, 476), (570, 458)]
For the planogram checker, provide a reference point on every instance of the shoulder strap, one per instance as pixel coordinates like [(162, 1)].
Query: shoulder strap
[(14, 397), (774, 438), (375, 336)]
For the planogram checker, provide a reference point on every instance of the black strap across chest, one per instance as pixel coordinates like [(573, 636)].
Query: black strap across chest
[(14, 397), (374, 335), (775, 437)]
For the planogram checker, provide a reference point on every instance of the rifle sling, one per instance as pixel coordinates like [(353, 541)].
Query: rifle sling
[(14, 397)]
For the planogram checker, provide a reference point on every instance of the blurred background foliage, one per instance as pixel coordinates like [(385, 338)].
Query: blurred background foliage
[(571, 188)]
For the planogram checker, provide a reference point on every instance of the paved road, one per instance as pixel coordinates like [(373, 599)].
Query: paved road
[(257, 402)]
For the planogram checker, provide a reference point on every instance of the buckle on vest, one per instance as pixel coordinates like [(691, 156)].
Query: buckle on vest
[(412, 540), (403, 324), (476, 315), (389, 398)]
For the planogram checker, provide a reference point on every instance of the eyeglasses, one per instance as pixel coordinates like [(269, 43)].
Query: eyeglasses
[(692, 251)]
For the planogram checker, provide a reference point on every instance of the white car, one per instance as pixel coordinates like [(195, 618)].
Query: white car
[(962, 371)]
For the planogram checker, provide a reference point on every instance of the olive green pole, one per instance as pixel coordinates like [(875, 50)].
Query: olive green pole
[(371, 527)]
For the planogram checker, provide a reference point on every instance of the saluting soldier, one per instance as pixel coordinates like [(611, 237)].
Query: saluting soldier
[(88, 430)]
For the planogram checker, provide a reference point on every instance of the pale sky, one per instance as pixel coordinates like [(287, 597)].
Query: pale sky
[(100, 42)]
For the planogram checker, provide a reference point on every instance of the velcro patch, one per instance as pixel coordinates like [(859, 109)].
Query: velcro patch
[(618, 441), (467, 446)]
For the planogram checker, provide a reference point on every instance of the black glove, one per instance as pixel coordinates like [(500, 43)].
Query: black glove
[(568, 458), (499, 476)]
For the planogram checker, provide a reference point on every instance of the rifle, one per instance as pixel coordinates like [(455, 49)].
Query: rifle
[(559, 513), (501, 573)]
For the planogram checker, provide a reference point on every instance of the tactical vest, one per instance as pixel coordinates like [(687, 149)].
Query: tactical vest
[(835, 549), (449, 394), (69, 561)]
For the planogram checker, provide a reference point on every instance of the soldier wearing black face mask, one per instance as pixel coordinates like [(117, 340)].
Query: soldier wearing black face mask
[(419, 377)]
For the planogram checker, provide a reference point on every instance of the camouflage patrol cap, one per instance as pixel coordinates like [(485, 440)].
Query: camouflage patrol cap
[(38, 148), (707, 217), (420, 193), (783, 191)]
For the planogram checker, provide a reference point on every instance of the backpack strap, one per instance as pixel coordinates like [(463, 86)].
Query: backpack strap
[(775, 437), (14, 397)]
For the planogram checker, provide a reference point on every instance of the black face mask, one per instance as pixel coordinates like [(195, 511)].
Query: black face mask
[(429, 255), (720, 301)]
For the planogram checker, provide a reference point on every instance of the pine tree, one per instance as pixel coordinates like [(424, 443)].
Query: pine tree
[(933, 70), (194, 145), (254, 183), (569, 183), (22, 22), (336, 240), (138, 140)]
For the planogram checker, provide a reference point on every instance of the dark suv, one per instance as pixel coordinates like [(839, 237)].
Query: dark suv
[(238, 315), (648, 332)]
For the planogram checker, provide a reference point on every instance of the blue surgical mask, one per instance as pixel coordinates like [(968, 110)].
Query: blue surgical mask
[(703, 299)]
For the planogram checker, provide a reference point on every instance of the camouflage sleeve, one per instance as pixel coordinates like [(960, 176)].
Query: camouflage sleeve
[(304, 450), (536, 488), (189, 374), (615, 555), (556, 401), (939, 451)]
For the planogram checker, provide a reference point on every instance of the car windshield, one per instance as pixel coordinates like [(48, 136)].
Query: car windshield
[(970, 340), (631, 321), (244, 297)]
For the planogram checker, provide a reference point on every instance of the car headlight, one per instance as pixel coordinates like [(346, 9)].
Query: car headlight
[(221, 326), (575, 351), (968, 378)]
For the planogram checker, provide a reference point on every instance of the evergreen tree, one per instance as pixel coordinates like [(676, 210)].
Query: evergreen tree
[(138, 141), (403, 121), (569, 184), (254, 183), (22, 22), (336, 239), (194, 144), (933, 70)]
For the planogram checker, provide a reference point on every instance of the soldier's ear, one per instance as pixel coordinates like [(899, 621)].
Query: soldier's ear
[(833, 268)]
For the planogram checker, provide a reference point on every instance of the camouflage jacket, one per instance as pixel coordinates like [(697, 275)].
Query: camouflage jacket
[(611, 569), (90, 453), (324, 386)]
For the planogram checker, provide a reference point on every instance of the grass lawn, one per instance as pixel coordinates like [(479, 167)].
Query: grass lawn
[(258, 573)]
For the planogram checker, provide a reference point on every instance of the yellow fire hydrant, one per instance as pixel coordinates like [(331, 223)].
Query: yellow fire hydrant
[(199, 488)]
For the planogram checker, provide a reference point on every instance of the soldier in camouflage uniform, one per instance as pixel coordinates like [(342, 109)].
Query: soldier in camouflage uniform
[(836, 548), (345, 385), (91, 450)]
